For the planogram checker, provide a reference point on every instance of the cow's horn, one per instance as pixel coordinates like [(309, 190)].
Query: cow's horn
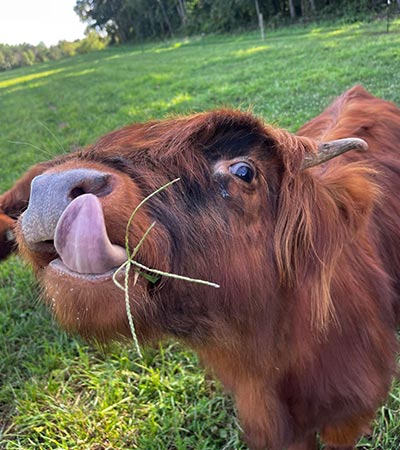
[(331, 149)]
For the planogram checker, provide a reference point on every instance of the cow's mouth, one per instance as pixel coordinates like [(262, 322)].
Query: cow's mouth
[(82, 242), (57, 266)]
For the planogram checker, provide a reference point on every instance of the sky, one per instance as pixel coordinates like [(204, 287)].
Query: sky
[(33, 21)]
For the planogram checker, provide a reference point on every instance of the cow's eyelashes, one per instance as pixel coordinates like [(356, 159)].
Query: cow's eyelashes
[(243, 170)]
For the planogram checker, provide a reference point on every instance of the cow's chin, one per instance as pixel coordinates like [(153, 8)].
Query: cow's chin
[(90, 305)]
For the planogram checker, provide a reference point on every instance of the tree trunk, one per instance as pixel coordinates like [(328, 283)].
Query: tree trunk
[(292, 10), (260, 20), (312, 5), (168, 23), (303, 8), (182, 12)]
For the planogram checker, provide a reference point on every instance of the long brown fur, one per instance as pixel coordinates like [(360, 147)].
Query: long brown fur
[(302, 331)]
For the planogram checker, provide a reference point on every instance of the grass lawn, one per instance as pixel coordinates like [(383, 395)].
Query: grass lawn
[(56, 392)]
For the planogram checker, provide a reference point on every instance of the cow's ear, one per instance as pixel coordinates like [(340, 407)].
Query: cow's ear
[(7, 239), (298, 153), (319, 213), (13, 203)]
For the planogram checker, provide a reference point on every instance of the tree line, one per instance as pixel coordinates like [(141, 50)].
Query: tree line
[(123, 21), (132, 20), (13, 56)]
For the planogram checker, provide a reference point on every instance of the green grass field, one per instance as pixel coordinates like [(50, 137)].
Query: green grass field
[(56, 392)]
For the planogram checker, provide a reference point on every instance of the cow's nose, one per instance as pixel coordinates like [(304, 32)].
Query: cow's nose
[(50, 194)]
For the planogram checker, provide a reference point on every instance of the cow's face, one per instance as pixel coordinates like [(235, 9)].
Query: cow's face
[(215, 224), (241, 215)]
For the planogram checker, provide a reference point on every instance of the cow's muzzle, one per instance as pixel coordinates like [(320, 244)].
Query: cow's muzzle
[(65, 211)]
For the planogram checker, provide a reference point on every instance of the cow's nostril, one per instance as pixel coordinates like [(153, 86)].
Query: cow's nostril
[(76, 192), (99, 185)]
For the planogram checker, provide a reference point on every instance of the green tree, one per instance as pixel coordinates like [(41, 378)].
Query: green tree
[(126, 20)]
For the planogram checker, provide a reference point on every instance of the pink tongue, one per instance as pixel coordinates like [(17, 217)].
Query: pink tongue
[(81, 238)]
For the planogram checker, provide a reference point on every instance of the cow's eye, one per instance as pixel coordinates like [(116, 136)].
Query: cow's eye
[(242, 170)]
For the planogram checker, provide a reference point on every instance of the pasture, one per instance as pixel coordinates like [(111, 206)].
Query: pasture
[(57, 392)]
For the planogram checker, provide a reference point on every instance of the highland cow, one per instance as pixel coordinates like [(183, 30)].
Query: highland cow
[(305, 248)]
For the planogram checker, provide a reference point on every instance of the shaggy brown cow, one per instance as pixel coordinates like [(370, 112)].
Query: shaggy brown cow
[(302, 331)]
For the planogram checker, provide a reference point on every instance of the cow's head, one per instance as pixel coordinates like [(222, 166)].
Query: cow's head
[(246, 213)]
